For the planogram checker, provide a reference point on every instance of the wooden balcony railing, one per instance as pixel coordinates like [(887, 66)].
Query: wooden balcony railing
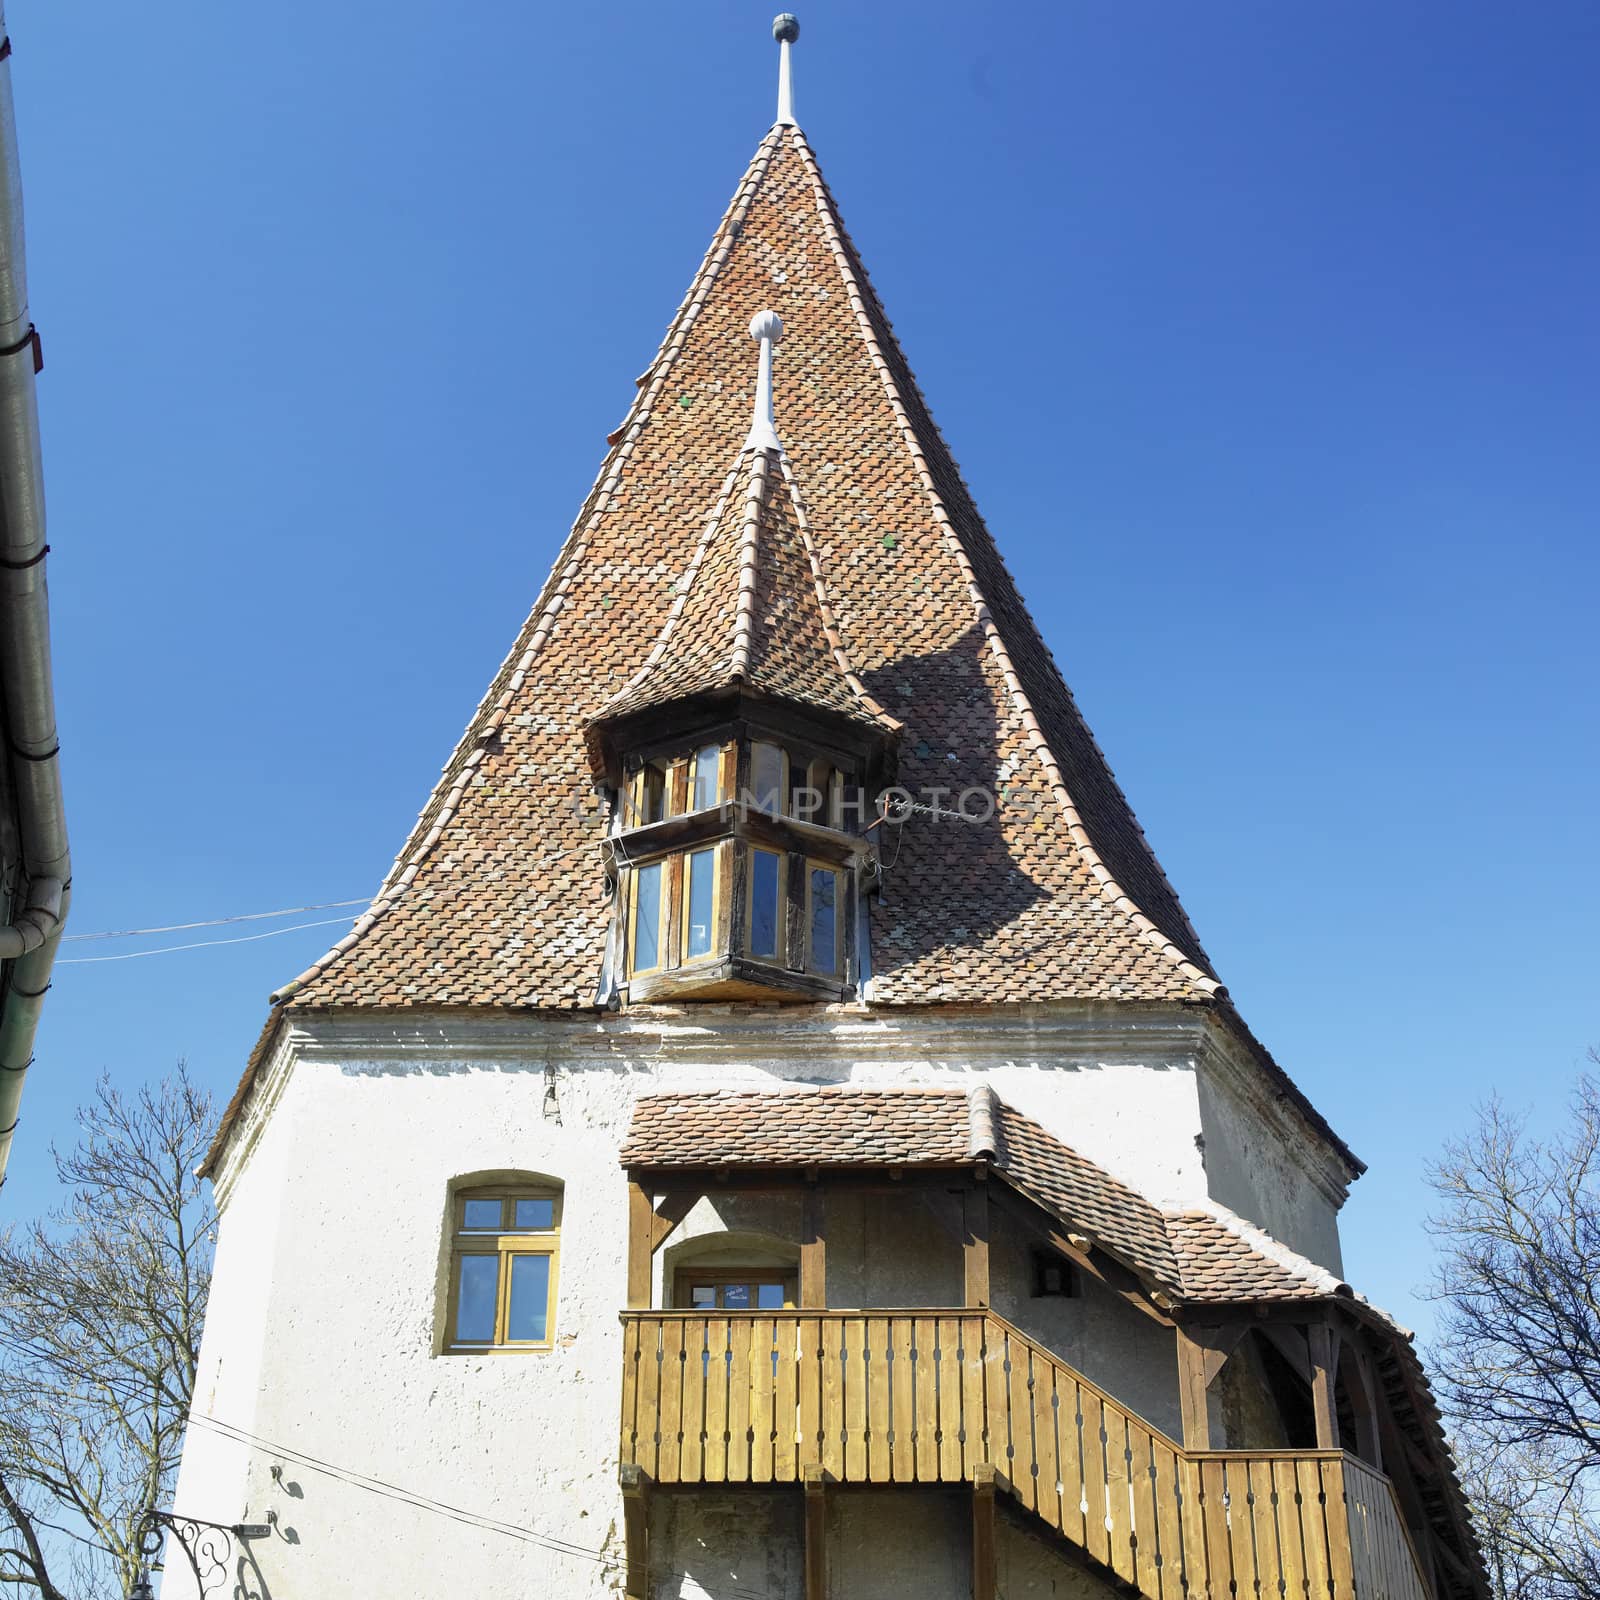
[(892, 1397)]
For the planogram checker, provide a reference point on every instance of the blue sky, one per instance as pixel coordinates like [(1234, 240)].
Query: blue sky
[(1266, 335)]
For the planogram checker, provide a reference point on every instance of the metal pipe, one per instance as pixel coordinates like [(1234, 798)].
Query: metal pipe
[(27, 698)]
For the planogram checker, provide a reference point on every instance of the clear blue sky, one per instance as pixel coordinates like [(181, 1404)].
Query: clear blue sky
[(1290, 308)]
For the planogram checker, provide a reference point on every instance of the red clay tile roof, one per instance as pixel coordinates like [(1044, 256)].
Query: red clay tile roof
[(800, 1128), (1220, 1257), (751, 609), (498, 898)]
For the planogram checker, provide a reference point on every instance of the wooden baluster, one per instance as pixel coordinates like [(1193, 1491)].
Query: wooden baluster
[(630, 1391), (715, 1466), (997, 1411), (1314, 1529), (855, 1400), (1196, 1533), (1291, 1530), (879, 1351), (1096, 1538), (740, 1379), (1219, 1543), (923, 1340), (1167, 1488), (1119, 1516), (1069, 1456), (761, 1400), (1143, 1521), (832, 1400), (695, 1363), (1047, 1475), (973, 1448), (671, 1456), (903, 1401), (785, 1403), (948, 1384), (1019, 1401), (1341, 1552), (809, 1379)]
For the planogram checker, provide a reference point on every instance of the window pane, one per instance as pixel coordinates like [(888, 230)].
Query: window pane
[(653, 805), (769, 1296), (481, 1216), (766, 777), (535, 1214), (530, 1297), (703, 1294), (763, 903), (647, 919), (736, 1296), (702, 871), (824, 922), (477, 1278), (705, 793)]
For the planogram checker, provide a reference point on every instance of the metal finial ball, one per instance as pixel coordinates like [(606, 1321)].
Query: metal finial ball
[(766, 325), (786, 27)]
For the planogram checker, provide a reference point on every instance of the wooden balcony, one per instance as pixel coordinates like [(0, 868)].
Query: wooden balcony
[(963, 1397)]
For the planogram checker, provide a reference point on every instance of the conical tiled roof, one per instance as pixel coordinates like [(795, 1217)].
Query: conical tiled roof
[(498, 898), (751, 609)]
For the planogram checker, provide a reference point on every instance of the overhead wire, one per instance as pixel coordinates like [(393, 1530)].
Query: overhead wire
[(217, 922), (201, 944), (422, 1502)]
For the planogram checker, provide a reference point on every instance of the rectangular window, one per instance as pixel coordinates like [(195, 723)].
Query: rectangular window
[(502, 1274), (822, 915), (755, 1289), (707, 790), (700, 895), (649, 797), (477, 1288), (766, 903), (766, 778), (647, 917), (527, 1314)]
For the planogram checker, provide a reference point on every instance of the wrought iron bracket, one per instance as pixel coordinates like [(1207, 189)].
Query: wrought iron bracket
[(207, 1546)]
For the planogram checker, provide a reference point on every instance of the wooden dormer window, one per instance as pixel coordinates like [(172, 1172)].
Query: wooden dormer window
[(738, 861)]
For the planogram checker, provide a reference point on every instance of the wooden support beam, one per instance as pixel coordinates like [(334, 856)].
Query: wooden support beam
[(816, 1577), (814, 1252), (641, 1228), (670, 1210), (983, 1531), (1321, 1342), (975, 1244), (636, 1533), (1364, 1396), (1112, 1275), (1192, 1393)]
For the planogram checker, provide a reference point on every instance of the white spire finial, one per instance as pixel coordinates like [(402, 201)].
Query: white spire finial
[(767, 326), (785, 29)]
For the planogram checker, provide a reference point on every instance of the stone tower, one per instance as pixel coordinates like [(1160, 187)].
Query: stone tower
[(776, 1132)]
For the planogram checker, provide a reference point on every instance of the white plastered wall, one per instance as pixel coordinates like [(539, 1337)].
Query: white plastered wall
[(324, 1333)]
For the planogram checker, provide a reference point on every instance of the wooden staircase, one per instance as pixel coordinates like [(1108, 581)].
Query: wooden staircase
[(919, 1397)]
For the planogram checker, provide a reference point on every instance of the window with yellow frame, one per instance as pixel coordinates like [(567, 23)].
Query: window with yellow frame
[(824, 913), (505, 1249)]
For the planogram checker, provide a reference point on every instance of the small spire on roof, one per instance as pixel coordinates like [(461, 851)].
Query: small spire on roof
[(767, 326), (785, 29)]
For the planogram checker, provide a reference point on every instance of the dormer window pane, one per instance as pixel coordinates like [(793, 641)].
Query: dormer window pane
[(824, 920), (704, 782), (701, 884), (766, 778), (647, 918), (650, 796), (765, 868)]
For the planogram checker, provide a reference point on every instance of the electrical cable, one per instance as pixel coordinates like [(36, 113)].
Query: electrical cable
[(200, 944), (217, 922), (422, 1502)]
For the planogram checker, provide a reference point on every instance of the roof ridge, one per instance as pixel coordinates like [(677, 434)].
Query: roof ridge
[(446, 795), (830, 623), (857, 290), (1264, 1243), (744, 610)]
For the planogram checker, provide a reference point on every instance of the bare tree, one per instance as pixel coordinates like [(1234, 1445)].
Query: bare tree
[(101, 1306), (1519, 1347)]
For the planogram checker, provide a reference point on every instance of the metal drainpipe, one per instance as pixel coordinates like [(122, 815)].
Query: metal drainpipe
[(29, 941)]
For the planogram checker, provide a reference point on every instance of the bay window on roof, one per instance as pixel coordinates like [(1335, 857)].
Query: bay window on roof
[(740, 855)]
